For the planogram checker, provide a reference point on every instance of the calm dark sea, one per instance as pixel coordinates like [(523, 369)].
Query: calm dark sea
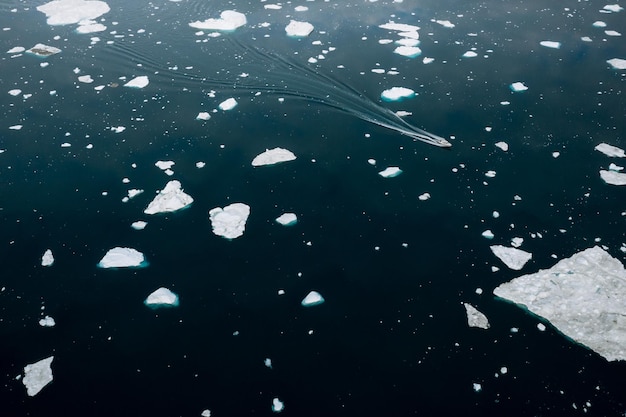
[(392, 337)]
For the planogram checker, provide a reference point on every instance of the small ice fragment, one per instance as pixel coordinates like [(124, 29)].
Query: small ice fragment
[(612, 33), (299, 29), (427, 60), (516, 242), (390, 172), (15, 92), (47, 259), (495, 214), (139, 225), (613, 167), (518, 86), (118, 129), (556, 154), (612, 177), (477, 387), (230, 221), (268, 362), (487, 234), (162, 298), (16, 50), (423, 197), (610, 150), (277, 405), (138, 82), (598, 24), (85, 79), (47, 322), (170, 198), (445, 23), (397, 94), (15, 127), (613, 8), (163, 165), (229, 20), (401, 27), (273, 156), (42, 50), (200, 164), (470, 54), (490, 174), (312, 299), (541, 327), (550, 44), (371, 161), (206, 413), (287, 219), (617, 63), (66, 12), (203, 115), (37, 375), (408, 51), (475, 318), (90, 27), (502, 145), (512, 257), (119, 257), (228, 104)]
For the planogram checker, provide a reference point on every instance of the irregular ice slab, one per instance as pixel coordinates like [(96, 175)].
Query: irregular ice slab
[(162, 298), (122, 258), (299, 29), (139, 225), (47, 259), (445, 23), (513, 258), (612, 177), (287, 219), (610, 150), (229, 20), (613, 8), (390, 172), (475, 318), (502, 145), (37, 375), (312, 299), (67, 12), (230, 221), (584, 297), (273, 156), (397, 94), (47, 322), (470, 54), (617, 63), (550, 44), (518, 86), (170, 198), (277, 405), (15, 92), (90, 27), (408, 51), (402, 27), (42, 50), (203, 116), (16, 50), (138, 82), (228, 104)]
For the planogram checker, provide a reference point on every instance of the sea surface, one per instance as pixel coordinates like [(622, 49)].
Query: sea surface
[(391, 338)]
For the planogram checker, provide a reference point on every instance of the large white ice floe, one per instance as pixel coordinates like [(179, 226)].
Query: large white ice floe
[(397, 94), (37, 375), (230, 221), (273, 156), (613, 177), (138, 82), (312, 299), (390, 172), (67, 12), (550, 44), (518, 86), (228, 104), (169, 199), (162, 298), (583, 296), (475, 318), (47, 259), (617, 63), (298, 29), (610, 150), (42, 50), (277, 405), (512, 257), (229, 20), (408, 51), (287, 219), (119, 257)]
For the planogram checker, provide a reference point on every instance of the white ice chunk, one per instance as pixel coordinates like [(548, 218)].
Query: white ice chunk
[(139, 225), (614, 167), (613, 8), (475, 318), (138, 82), (423, 197), (15, 92), (390, 172), (37, 375), (163, 165), (42, 50), (85, 79), (487, 234), (550, 44), (287, 219), (397, 94), (47, 322), (408, 51), (203, 115), (277, 405), (16, 127), (299, 29), (47, 259), (66, 12), (230, 221), (610, 150), (90, 27), (612, 33), (470, 54), (402, 27), (617, 63), (583, 296), (162, 298), (445, 23), (170, 198), (518, 86), (16, 50), (512, 257), (502, 145), (206, 413), (273, 156), (267, 362), (612, 177), (228, 104), (119, 257), (229, 20), (598, 24), (312, 299)]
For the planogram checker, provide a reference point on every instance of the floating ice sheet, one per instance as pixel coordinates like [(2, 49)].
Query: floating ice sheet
[(169, 199), (617, 63), (408, 51), (401, 27), (47, 322), (67, 12), (228, 104), (287, 219), (299, 29), (42, 50), (119, 257), (518, 87), (550, 44), (162, 298), (312, 299), (229, 20), (47, 259), (203, 116), (475, 318), (397, 94), (512, 257), (612, 177), (37, 375), (273, 156), (584, 297), (230, 221), (610, 150), (390, 172), (138, 82)]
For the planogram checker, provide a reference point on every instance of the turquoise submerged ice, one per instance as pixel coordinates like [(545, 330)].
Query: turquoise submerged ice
[(162, 298)]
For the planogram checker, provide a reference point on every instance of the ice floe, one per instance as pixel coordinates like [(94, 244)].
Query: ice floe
[(475, 318), (550, 44), (67, 12), (401, 27), (512, 257), (203, 115), (41, 50), (583, 296), (408, 51), (230, 221), (390, 172), (277, 405), (228, 104), (613, 8), (16, 50), (487, 234), (445, 23), (610, 150), (162, 298), (518, 86), (138, 82), (312, 299), (273, 156), (397, 94), (119, 257), (15, 92), (170, 198), (612, 177), (47, 258), (299, 29), (502, 145), (37, 375), (617, 63), (47, 322), (139, 225), (470, 54), (424, 197), (229, 20), (287, 219)]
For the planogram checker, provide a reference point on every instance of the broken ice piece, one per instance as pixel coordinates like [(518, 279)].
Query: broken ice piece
[(229, 21), (610, 150), (518, 86), (613, 177), (617, 63), (43, 51), (312, 299), (138, 82), (203, 116), (502, 145), (37, 375), (228, 104), (47, 322), (487, 234), (475, 318), (139, 225), (273, 156), (390, 172), (513, 258), (287, 219), (119, 257), (169, 199), (162, 298), (230, 221), (397, 94), (47, 259), (277, 405), (298, 29)]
